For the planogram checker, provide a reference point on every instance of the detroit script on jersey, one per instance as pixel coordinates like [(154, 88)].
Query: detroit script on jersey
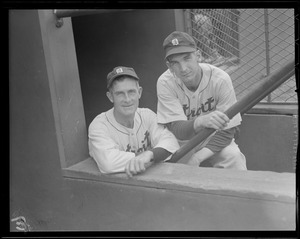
[(203, 108), (145, 145)]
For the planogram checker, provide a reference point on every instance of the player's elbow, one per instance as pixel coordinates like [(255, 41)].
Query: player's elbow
[(105, 170), (107, 167), (104, 165)]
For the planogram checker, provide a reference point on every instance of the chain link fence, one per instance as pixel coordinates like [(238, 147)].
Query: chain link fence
[(249, 44)]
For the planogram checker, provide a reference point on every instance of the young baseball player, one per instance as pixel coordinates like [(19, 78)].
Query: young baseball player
[(193, 95), (127, 138)]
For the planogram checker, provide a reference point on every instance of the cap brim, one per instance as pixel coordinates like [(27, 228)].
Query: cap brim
[(181, 49)]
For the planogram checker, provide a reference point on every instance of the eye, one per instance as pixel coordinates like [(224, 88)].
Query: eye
[(187, 58), (132, 92), (119, 93), (173, 64)]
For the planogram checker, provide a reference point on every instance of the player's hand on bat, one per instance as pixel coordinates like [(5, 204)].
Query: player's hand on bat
[(139, 163), (216, 120)]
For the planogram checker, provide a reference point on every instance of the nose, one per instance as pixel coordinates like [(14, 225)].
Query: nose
[(126, 97), (183, 66)]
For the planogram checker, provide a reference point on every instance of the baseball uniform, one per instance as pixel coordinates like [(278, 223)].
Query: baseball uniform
[(112, 145), (215, 92)]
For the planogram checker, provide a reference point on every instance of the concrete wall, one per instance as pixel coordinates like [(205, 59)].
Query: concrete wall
[(269, 142), (179, 197), (35, 169)]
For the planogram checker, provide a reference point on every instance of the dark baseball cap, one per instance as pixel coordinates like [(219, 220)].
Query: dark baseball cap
[(120, 71), (179, 42)]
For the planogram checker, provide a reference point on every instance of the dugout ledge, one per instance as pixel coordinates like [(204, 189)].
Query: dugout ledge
[(260, 185)]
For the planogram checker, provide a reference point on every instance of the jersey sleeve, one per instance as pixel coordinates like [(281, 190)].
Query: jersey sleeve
[(161, 137), (227, 98), (169, 108), (105, 151)]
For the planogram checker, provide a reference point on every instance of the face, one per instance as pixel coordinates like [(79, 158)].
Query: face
[(185, 67), (125, 95)]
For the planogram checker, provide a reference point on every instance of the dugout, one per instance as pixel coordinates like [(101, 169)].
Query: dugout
[(55, 70), (134, 38)]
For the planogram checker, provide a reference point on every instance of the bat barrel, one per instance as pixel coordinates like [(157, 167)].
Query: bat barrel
[(269, 84)]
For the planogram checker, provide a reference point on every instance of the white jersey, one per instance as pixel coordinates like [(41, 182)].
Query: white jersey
[(177, 102), (112, 145)]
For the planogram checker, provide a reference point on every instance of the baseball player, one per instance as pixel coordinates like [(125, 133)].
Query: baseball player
[(127, 138), (193, 95)]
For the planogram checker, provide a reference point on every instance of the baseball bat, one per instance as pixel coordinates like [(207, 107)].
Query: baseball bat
[(259, 92)]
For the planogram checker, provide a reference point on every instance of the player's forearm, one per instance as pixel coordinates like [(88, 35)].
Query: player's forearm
[(159, 154), (221, 139), (182, 129), (109, 160)]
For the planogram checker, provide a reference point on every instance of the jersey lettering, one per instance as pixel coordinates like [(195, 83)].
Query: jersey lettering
[(206, 107), (146, 144)]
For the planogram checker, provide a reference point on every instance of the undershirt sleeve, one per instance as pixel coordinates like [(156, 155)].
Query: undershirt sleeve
[(221, 139), (182, 129)]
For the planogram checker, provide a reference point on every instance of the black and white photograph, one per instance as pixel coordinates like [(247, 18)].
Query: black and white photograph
[(153, 120)]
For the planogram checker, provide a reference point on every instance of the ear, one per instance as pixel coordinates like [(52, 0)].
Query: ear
[(169, 67), (109, 96), (140, 91), (198, 56)]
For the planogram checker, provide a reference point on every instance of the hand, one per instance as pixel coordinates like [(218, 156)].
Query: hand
[(139, 163), (193, 161), (216, 120)]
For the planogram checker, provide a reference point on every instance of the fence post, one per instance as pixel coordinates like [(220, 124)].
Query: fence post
[(188, 21), (179, 20), (266, 17)]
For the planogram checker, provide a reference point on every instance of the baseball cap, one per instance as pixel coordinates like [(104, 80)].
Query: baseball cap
[(119, 71), (178, 42)]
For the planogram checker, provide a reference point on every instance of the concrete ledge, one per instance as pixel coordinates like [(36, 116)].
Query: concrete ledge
[(261, 185)]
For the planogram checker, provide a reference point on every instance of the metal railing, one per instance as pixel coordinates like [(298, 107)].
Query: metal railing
[(249, 44)]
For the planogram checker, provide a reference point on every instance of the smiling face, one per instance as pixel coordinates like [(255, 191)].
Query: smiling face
[(185, 67), (125, 93)]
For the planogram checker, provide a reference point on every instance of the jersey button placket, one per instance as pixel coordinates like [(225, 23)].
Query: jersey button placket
[(133, 140), (193, 104)]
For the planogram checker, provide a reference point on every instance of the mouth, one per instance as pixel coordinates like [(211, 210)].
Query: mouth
[(127, 106), (187, 75)]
